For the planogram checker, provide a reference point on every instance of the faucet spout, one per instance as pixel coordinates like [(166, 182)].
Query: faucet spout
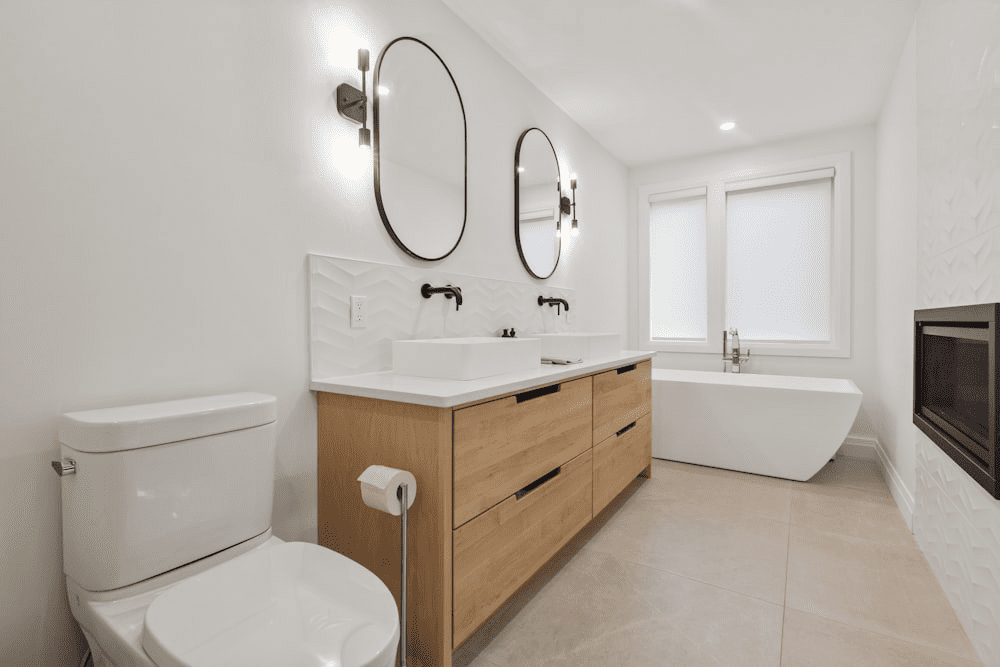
[(563, 303), (449, 291)]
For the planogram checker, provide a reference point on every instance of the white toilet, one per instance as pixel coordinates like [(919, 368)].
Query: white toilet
[(168, 552)]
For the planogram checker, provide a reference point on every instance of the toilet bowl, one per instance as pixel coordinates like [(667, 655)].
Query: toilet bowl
[(156, 491)]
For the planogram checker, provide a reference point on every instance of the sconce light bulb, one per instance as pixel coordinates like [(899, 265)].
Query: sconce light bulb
[(364, 137), (572, 181), (574, 229), (382, 90), (363, 60)]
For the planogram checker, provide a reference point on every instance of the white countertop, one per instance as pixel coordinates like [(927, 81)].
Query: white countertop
[(389, 386)]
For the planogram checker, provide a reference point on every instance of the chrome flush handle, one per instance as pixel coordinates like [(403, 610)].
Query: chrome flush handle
[(63, 467)]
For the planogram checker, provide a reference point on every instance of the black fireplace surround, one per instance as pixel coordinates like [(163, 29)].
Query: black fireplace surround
[(955, 377)]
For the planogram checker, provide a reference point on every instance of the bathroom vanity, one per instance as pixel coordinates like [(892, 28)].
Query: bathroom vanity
[(508, 470)]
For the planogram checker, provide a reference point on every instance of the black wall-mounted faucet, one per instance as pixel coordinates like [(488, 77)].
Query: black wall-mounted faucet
[(554, 302), (449, 291)]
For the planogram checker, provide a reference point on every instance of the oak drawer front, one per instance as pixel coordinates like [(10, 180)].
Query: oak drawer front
[(498, 551), (619, 459), (620, 397), (502, 445)]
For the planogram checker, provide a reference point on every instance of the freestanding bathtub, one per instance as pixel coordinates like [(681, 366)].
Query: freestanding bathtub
[(776, 425)]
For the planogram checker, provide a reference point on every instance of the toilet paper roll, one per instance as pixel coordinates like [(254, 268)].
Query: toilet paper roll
[(380, 484)]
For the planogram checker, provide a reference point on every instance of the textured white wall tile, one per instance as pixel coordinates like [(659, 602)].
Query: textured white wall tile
[(956, 522), (962, 275), (396, 310)]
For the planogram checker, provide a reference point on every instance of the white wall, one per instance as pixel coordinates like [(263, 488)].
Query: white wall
[(860, 142), (895, 276), (165, 169)]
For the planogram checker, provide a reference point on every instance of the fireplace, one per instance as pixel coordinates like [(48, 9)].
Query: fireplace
[(955, 386)]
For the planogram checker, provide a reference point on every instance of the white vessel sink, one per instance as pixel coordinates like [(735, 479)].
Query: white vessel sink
[(574, 345), (465, 358)]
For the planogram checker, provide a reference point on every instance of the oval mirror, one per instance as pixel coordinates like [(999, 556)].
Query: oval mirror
[(420, 149), (537, 198)]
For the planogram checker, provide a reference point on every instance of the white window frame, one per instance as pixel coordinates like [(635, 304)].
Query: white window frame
[(716, 186)]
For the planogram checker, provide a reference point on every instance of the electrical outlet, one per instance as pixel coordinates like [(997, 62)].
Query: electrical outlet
[(359, 312)]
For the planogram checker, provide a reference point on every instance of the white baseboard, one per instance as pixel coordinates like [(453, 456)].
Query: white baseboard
[(902, 495), (859, 447)]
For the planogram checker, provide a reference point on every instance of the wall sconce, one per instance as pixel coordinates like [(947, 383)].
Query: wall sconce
[(566, 207), (575, 227), (352, 103)]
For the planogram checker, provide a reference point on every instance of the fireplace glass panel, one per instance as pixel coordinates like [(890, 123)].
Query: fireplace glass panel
[(955, 386)]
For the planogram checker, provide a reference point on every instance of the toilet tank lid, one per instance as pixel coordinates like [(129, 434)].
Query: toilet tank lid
[(137, 426)]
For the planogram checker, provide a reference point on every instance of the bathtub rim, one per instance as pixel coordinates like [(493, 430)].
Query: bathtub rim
[(836, 385)]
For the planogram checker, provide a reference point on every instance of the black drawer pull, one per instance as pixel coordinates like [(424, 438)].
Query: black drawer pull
[(537, 393), (537, 483), (626, 369), (626, 429)]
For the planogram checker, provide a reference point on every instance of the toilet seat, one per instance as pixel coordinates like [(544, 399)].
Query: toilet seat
[(295, 604)]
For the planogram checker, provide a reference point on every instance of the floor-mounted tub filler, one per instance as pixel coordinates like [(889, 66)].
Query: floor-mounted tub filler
[(776, 425)]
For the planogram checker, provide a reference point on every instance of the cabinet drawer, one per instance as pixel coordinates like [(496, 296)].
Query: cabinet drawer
[(502, 445), (619, 459), (498, 551), (620, 397)]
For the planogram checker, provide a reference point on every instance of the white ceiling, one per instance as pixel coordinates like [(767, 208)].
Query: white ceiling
[(653, 79)]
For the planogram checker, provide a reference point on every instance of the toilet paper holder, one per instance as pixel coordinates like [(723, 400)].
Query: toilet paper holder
[(379, 475), (403, 493)]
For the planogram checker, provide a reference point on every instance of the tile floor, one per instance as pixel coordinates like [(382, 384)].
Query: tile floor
[(699, 566)]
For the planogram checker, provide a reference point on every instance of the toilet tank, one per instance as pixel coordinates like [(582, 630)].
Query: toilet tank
[(161, 485)]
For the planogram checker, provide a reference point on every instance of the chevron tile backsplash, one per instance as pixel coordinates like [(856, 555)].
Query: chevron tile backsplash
[(396, 310), (956, 523)]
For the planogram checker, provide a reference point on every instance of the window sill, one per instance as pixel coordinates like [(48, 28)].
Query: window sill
[(756, 348)]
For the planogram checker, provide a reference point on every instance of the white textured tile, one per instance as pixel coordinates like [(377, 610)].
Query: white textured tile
[(396, 310), (957, 525)]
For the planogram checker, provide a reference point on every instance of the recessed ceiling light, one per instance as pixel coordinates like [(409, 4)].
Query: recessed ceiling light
[(728, 125)]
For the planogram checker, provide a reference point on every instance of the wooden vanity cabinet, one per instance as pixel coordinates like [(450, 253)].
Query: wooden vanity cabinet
[(502, 484), (504, 444), (623, 439), (500, 550)]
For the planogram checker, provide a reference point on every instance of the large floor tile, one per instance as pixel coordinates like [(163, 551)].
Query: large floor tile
[(813, 641), (851, 515), (884, 588), (600, 610), (859, 474), (722, 546), (761, 496), (722, 473)]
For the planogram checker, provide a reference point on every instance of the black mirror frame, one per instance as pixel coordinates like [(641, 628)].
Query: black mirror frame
[(517, 202), (376, 143)]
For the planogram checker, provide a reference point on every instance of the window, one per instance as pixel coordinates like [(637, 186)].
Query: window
[(678, 306), (768, 253)]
